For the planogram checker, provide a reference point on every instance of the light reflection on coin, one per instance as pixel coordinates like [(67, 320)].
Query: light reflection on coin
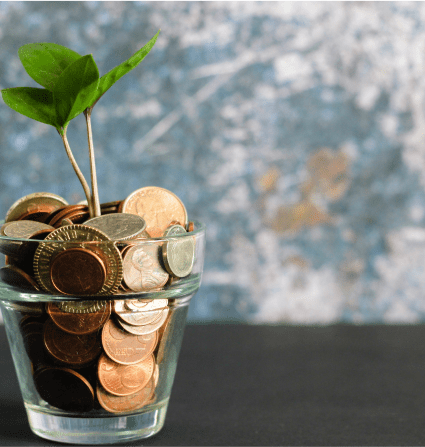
[(157, 206), (123, 380), (149, 313), (142, 269), (119, 226), (179, 254), (81, 307), (32, 203), (147, 328)]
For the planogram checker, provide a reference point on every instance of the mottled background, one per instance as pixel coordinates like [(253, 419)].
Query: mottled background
[(294, 130)]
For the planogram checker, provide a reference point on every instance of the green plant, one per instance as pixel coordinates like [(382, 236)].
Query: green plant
[(71, 86)]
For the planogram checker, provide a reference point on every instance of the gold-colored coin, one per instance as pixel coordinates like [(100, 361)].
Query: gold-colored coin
[(118, 226), (158, 206), (142, 269), (81, 307), (178, 254), (43, 201), (73, 236)]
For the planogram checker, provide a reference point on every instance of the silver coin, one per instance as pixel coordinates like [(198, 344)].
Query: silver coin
[(119, 226), (146, 328), (178, 254), (145, 315)]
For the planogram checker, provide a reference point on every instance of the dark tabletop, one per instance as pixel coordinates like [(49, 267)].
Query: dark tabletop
[(277, 385)]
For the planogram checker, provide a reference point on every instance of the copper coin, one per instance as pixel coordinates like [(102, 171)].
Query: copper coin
[(75, 350), (123, 380), (145, 314), (77, 271), (33, 203), (57, 217), (125, 348), (190, 227), (74, 323), (32, 334), (16, 277), (82, 236), (121, 404), (64, 388), (142, 270), (147, 328), (157, 206)]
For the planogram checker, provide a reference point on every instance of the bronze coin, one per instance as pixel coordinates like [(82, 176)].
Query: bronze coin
[(64, 213), (123, 380), (74, 323), (74, 350), (125, 348), (34, 203), (77, 271), (121, 404), (64, 388), (76, 217), (39, 214), (16, 277), (190, 227), (32, 334)]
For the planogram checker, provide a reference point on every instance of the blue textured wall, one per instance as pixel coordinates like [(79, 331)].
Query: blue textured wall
[(294, 130)]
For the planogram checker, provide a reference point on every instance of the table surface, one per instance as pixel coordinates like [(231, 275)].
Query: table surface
[(277, 385)]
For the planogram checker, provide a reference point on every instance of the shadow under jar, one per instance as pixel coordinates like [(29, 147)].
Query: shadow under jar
[(96, 362)]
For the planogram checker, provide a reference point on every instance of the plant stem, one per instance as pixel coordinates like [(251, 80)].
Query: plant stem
[(95, 193), (77, 170)]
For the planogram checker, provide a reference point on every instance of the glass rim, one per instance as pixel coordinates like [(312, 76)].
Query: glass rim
[(197, 231)]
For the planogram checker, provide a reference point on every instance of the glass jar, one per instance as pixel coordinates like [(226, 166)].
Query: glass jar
[(96, 369)]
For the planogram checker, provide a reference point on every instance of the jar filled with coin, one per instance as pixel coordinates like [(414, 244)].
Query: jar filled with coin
[(95, 309)]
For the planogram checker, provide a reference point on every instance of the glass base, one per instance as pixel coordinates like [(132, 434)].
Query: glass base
[(97, 430)]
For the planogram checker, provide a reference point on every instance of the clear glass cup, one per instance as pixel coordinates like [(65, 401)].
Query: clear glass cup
[(67, 377)]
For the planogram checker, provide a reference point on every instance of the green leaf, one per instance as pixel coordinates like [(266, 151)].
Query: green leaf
[(35, 103), (45, 62), (75, 88), (108, 79)]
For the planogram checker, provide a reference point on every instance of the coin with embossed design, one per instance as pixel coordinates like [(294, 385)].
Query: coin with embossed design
[(81, 307), (121, 404), (44, 202), (125, 348), (118, 226), (84, 323), (142, 269), (146, 328), (78, 236), (145, 314), (178, 254), (158, 206), (74, 350), (123, 380), (77, 271)]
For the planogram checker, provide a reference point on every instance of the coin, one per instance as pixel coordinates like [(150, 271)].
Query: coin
[(178, 254), (75, 350), (33, 203), (157, 206), (145, 314), (77, 271), (190, 227), (14, 276), (75, 236), (147, 328), (64, 388), (73, 323), (32, 335), (142, 270), (123, 380), (121, 404), (165, 337), (23, 229), (140, 304), (125, 348), (120, 226), (57, 217), (81, 307)]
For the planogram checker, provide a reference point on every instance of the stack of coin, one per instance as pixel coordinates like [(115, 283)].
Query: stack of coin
[(113, 253), (105, 351), (94, 353)]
